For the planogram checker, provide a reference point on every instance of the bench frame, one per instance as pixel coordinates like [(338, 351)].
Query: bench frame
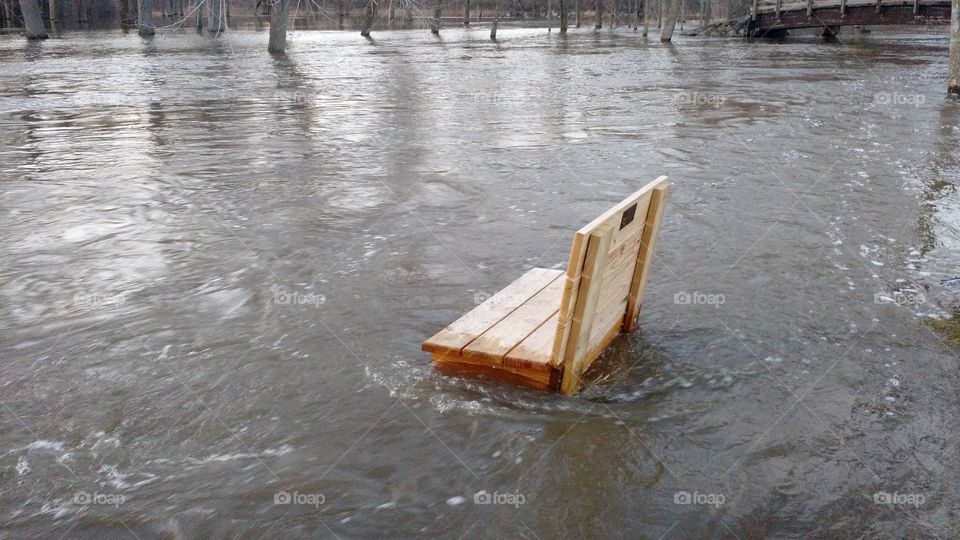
[(600, 295)]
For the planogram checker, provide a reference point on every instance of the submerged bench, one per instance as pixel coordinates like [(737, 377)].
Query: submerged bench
[(544, 329)]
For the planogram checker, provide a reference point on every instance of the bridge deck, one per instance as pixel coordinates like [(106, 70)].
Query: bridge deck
[(769, 6), (772, 16)]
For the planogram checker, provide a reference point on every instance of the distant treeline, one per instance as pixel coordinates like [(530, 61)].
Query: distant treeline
[(74, 14)]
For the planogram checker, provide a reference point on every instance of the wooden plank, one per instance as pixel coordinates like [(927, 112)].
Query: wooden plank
[(458, 365), (502, 337), (464, 330), (605, 321), (571, 289), (582, 320), (597, 346), (534, 352), (636, 212), (647, 245)]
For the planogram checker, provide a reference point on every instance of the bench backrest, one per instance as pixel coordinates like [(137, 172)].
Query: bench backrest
[(605, 279)]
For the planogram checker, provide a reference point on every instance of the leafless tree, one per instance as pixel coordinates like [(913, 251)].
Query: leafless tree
[(279, 13), (32, 21), (145, 25)]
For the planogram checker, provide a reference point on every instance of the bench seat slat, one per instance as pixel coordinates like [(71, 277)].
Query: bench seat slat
[(504, 336), (452, 339), (534, 352)]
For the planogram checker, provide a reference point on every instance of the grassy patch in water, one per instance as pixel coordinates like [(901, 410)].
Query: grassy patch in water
[(949, 329)]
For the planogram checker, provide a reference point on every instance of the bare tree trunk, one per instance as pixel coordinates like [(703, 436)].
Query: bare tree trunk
[(145, 18), (613, 14), (669, 20), (579, 10), (32, 21), (55, 6), (368, 19), (199, 14), (496, 19), (549, 18), (435, 21), (646, 18), (408, 11), (278, 26), (953, 86), (216, 16), (340, 15), (466, 12), (598, 14), (563, 16)]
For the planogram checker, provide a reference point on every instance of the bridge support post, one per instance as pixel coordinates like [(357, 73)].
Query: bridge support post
[(830, 32), (953, 84)]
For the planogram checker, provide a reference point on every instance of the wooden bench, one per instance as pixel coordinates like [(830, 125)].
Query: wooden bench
[(544, 329)]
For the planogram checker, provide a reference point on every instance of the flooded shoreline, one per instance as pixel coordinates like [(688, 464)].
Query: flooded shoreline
[(167, 203)]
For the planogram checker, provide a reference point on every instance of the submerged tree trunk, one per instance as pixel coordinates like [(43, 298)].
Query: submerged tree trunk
[(563, 16), (145, 18), (368, 18), (199, 14), (954, 76), (55, 10), (278, 26), (646, 17), (435, 21), (598, 14), (32, 21), (466, 12), (215, 16), (613, 14), (669, 20), (579, 10), (496, 19)]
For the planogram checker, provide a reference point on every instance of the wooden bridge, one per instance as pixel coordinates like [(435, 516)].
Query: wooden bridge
[(772, 18)]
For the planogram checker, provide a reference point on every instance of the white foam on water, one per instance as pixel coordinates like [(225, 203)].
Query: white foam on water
[(270, 452), (23, 466)]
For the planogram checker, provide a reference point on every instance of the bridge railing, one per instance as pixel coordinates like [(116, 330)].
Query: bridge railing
[(778, 6)]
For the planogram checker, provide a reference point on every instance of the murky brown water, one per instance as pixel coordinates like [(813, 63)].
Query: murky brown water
[(216, 268)]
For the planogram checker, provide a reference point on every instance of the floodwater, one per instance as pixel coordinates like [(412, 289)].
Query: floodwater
[(216, 268)]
